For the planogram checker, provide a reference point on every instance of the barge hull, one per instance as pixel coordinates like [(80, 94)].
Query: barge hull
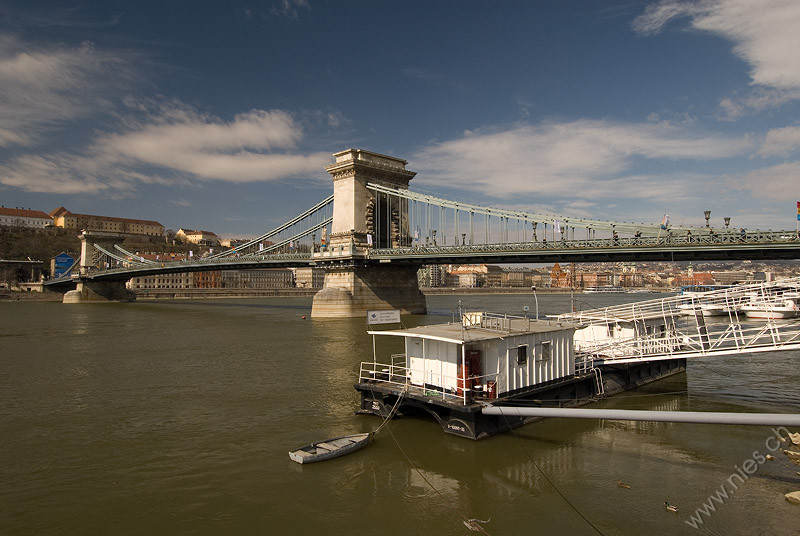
[(378, 398)]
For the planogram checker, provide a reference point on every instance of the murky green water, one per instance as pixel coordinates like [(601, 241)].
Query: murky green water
[(176, 418)]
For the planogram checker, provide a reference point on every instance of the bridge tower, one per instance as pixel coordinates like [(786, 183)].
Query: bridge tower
[(362, 219), (97, 291)]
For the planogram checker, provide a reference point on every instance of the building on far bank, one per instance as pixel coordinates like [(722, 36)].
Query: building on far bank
[(731, 277), (516, 277), (431, 276), (308, 277), (267, 278), (20, 217), (259, 278), (62, 217), (474, 275)]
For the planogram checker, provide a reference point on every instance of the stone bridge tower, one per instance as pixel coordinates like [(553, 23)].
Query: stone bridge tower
[(88, 290), (363, 219)]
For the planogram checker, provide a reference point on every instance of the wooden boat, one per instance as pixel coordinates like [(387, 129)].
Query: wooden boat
[(331, 448)]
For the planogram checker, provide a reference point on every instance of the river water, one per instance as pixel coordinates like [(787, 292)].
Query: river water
[(176, 418)]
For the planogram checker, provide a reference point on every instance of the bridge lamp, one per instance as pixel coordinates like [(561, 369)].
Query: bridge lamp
[(463, 238), (727, 220), (313, 241), (707, 214), (533, 289)]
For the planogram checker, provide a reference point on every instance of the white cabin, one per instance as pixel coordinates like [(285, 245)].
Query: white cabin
[(486, 355), (650, 335)]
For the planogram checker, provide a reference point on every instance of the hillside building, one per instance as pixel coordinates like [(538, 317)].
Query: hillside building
[(61, 217), (20, 217), (201, 238)]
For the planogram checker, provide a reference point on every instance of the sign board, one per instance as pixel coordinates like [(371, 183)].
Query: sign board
[(62, 264), (391, 316)]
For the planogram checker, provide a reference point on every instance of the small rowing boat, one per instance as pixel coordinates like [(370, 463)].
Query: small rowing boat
[(331, 448)]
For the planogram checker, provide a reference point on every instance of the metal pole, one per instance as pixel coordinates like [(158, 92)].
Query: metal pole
[(700, 417), (471, 229), (456, 222)]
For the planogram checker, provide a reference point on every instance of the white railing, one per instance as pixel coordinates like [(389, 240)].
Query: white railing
[(687, 332), (431, 382)]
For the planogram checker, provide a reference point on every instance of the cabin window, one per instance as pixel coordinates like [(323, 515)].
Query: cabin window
[(547, 351), (522, 354)]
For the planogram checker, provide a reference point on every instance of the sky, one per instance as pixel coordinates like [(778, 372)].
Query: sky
[(222, 115)]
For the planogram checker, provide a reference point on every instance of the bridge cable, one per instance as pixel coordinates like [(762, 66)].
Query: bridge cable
[(443, 203), (278, 229)]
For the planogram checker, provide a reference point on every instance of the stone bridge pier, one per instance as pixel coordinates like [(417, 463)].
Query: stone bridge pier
[(89, 290), (363, 219)]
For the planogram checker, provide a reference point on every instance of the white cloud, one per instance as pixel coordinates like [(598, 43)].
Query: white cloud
[(290, 8), (171, 145), (581, 159), (43, 88), (774, 183), (764, 34), (781, 142)]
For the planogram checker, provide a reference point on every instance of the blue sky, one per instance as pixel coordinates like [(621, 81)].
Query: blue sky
[(222, 115)]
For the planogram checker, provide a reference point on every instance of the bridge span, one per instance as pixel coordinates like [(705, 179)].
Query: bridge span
[(373, 234)]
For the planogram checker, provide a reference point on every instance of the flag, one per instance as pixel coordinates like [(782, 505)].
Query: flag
[(260, 246), (557, 226), (798, 211), (369, 240), (665, 222)]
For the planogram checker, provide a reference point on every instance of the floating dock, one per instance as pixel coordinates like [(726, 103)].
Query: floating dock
[(453, 371)]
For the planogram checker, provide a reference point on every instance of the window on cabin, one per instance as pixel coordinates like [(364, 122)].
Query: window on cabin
[(522, 354), (547, 351)]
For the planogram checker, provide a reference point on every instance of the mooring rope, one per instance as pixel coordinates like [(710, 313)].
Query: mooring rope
[(575, 508), (470, 523), (394, 408)]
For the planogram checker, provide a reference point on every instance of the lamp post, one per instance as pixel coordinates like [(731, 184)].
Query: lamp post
[(707, 214), (727, 220), (313, 242), (533, 289)]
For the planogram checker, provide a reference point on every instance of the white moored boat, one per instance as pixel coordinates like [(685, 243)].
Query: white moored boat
[(776, 308)]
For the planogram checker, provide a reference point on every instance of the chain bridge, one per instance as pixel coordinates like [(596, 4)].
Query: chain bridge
[(372, 235)]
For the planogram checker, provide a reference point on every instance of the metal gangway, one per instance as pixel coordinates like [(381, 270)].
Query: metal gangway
[(692, 325)]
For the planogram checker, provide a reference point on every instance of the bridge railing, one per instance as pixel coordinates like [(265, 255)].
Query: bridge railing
[(666, 240), (186, 263)]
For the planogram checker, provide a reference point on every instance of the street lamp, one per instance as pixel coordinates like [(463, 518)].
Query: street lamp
[(707, 214), (727, 220), (313, 241), (533, 289)]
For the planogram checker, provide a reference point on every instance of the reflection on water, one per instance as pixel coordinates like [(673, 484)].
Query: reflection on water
[(177, 418)]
